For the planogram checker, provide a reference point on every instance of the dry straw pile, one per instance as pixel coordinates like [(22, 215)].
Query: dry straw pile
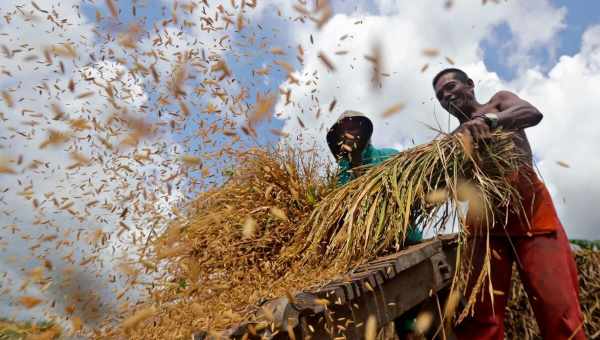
[(520, 321), (225, 253)]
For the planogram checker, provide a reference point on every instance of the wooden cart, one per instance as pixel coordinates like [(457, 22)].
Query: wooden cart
[(386, 288)]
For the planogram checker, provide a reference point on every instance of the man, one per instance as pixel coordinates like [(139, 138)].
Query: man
[(349, 140), (535, 240)]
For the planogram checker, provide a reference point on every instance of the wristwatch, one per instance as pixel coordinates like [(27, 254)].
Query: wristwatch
[(491, 120)]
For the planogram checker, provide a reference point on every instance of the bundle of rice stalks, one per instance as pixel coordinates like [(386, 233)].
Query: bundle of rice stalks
[(422, 187), (419, 187), (246, 221), (223, 256), (520, 321)]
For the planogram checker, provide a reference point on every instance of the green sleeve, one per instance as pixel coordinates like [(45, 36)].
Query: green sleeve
[(414, 235), (388, 152), (343, 176), (380, 155)]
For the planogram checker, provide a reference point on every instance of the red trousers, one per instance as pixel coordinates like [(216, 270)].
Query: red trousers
[(549, 274)]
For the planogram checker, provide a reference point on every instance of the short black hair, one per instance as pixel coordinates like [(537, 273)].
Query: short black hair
[(458, 74)]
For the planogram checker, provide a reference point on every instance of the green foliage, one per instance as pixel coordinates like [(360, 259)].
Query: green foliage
[(587, 244)]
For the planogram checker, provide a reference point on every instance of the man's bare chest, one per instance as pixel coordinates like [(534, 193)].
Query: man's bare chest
[(487, 108)]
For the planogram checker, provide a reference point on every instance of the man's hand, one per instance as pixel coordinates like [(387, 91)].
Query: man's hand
[(476, 128)]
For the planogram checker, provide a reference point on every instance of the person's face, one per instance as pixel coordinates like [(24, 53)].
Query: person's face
[(454, 95), (351, 127), (350, 135)]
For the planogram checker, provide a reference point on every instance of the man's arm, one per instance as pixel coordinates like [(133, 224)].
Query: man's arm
[(515, 113)]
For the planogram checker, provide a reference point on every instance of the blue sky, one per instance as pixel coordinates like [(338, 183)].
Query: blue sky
[(580, 15)]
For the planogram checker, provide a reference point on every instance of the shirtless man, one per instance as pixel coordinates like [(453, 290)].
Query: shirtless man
[(541, 249)]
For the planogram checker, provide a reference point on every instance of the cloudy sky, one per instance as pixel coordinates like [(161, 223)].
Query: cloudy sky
[(546, 51)]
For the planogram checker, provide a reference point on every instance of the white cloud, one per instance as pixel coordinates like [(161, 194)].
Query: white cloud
[(120, 188), (404, 29), (124, 182), (539, 29), (569, 132)]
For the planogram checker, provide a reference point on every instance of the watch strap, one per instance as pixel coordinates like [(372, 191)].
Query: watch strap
[(491, 119)]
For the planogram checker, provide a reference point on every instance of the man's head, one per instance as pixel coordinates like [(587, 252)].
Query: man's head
[(350, 134), (455, 92)]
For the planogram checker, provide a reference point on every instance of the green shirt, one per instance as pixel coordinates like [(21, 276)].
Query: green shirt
[(373, 156)]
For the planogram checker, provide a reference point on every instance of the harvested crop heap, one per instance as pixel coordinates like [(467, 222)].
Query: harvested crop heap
[(520, 321), (10, 330), (223, 256), (277, 225)]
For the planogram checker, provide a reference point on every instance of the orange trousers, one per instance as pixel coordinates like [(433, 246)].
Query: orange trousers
[(547, 269)]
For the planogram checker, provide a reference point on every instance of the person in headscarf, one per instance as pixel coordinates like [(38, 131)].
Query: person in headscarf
[(349, 140)]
